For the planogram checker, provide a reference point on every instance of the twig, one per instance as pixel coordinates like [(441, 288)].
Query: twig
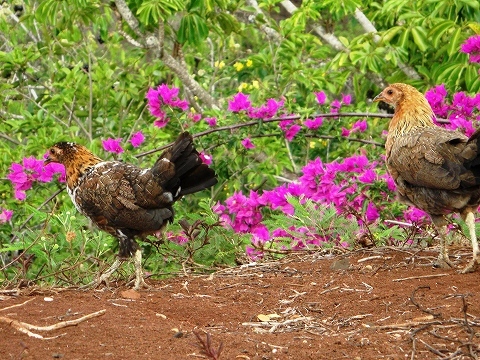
[(420, 277), (16, 305), (419, 307), (26, 328), (404, 326)]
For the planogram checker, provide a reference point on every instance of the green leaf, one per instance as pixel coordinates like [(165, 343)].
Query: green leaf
[(454, 42), (193, 29), (404, 37), (420, 38), (435, 34), (391, 33), (153, 10)]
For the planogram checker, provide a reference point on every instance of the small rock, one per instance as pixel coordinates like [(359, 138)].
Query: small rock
[(342, 264)]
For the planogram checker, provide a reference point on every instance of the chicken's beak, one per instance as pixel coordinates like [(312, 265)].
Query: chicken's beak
[(378, 98)]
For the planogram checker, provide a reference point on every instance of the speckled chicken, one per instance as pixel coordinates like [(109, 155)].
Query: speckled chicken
[(435, 169), (127, 201)]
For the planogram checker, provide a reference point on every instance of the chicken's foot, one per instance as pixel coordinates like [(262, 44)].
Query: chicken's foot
[(139, 279), (104, 277), (443, 260), (472, 265)]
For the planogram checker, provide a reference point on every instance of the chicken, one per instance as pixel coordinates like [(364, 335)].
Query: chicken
[(127, 201), (435, 169)]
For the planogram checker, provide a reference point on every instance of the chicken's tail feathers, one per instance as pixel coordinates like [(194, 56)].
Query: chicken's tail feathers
[(474, 136), (473, 154), (181, 170)]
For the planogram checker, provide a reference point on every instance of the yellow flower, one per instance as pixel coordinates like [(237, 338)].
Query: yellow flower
[(255, 84), (238, 66), (219, 64), (249, 63), (312, 144), (242, 86)]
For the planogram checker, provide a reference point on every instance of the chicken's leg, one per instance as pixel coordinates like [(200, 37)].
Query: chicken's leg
[(470, 221), (139, 280), (443, 260), (104, 277)]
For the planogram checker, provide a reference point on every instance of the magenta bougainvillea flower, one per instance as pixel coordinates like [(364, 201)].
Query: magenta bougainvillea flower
[(345, 132), (240, 102), (30, 170), (321, 97), (211, 121), (137, 139), (360, 126), (247, 143), (436, 98), (346, 99), (161, 97), (112, 145), (195, 117), (372, 213), (266, 111), (313, 124), (5, 215), (206, 159), (471, 46)]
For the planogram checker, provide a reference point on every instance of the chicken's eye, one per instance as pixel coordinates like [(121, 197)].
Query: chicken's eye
[(390, 92), (52, 151)]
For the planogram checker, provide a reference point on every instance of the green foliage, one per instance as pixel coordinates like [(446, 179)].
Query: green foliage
[(152, 11), (75, 70)]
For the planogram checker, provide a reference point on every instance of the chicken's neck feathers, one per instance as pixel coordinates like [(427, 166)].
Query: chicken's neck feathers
[(411, 115), (82, 165)]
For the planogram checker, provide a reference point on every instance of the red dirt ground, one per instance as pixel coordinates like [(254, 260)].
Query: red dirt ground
[(370, 304)]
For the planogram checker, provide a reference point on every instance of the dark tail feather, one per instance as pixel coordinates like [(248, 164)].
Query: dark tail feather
[(184, 168), (474, 164)]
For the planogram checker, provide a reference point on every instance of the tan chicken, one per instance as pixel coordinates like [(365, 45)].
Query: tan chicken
[(435, 169)]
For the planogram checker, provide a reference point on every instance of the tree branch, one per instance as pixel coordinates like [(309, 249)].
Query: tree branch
[(255, 122), (331, 39), (370, 28), (334, 42), (156, 43), (271, 33), (128, 16)]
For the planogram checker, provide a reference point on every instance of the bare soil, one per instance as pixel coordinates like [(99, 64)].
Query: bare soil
[(370, 304)]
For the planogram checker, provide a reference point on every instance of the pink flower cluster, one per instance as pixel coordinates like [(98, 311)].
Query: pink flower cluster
[(241, 102), (5, 215), (461, 112), (31, 170), (471, 46), (163, 96), (346, 185), (114, 145)]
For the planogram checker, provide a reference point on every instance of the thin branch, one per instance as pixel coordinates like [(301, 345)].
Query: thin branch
[(255, 122), (6, 137)]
